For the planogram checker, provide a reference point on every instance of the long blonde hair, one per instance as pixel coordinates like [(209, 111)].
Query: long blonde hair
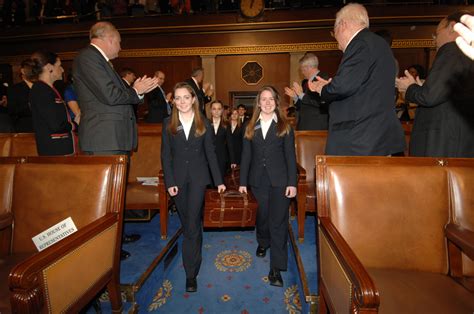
[(283, 127), (200, 127)]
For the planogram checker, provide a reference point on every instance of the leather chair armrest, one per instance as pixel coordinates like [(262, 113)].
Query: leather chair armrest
[(163, 199), (26, 279), (366, 295), (461, 237), (6, 220)]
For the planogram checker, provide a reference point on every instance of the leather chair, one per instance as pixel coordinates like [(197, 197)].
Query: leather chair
[(146, 162), (23, 144), (308, 144), (390, 234), (5, 143), (39, 192)]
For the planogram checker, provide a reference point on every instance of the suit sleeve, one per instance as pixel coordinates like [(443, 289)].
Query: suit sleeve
[(166, 156), (230, 144), (99, 80), (246, 158), (436, 89), (290, 156), (351, 73), (312, 98), (211, 155)]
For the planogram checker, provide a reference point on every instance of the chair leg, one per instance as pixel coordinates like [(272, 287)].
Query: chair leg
[(114, 295), (301, 215)]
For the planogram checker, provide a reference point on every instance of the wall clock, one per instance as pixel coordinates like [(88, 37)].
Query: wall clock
[(251, 8), (252, 73)]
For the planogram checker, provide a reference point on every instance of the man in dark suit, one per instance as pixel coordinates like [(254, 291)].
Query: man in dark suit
[(444, 119), (108, 124), (159, 106), (243, 116), (203, 93), (362, 119), (312, 113), (19, 100)]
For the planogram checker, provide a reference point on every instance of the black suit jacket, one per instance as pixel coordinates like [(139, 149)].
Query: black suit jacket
[(107, 118), (362, 119), (237, 143), (312, 113), (53, 129), (223, 147), (19, 107), (202, 98), (444, 119), (157, 106), (274, 154), (188, 160)]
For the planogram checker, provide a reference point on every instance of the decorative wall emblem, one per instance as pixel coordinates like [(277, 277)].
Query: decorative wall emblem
[(252, 73)]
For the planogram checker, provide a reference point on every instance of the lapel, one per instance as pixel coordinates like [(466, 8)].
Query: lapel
[(182, 135)]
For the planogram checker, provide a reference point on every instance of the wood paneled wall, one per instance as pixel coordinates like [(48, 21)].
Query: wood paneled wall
[(276, 71)]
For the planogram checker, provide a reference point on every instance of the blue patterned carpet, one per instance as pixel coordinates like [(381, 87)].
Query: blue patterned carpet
[(231, 279)]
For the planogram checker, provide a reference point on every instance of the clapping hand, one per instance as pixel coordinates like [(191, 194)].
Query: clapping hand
[(465, 42), (289, 92), (145, 84), (404, 82), (317, 86)]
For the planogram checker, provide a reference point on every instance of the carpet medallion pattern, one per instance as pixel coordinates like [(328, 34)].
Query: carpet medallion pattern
[(231, 280), (233, 261)]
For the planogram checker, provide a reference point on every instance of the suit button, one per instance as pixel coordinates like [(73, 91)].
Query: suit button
[(187, 161)]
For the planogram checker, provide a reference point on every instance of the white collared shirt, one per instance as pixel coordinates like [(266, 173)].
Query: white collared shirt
[(265, 125), (101, 52), (186, 124), (355, 34), (216, 125)]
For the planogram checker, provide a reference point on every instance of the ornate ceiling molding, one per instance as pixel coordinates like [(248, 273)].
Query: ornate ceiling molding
[(232, 50)]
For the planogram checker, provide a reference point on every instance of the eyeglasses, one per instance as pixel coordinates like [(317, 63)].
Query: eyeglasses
[(186, 98), (332, 34)]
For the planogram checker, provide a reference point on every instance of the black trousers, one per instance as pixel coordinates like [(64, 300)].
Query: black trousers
[(189, 203), (272, 221)]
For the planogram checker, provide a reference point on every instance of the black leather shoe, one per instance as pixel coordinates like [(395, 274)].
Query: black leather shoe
[(124, 255), (191, 285), (129, 238), (261, 251), (275, 278)]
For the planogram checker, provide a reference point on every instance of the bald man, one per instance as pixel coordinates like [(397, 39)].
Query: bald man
[(108, 124), (362, 119)]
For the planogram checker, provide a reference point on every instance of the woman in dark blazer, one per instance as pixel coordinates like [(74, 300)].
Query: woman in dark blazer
[(235, 126), (187, 154), (52, 123), (222, 138), (269, 166)]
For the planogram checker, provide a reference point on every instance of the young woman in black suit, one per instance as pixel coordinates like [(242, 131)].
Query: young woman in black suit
[(187, 154), (222, 138), (52, 123), (268, 165), (236, 130)]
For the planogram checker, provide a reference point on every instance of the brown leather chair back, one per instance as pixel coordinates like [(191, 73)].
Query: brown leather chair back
[(23, 144), (55, 191), (5, 144), (146, 161), (309, 144), (387, 209), (462, 183)]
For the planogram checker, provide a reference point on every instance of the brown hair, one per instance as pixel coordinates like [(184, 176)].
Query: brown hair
[(200, 127), (223, 118), (283, 127), (239, 122)]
